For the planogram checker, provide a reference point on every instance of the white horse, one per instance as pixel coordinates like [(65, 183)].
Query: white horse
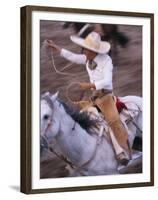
[(74, 132)]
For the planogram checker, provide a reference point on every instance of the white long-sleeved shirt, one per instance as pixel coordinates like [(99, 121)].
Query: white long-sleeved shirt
[(101, 76)]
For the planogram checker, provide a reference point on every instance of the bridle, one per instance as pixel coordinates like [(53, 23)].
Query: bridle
[(47, 98)]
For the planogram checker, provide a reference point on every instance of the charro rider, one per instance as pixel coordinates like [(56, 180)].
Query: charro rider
[(99, 67)]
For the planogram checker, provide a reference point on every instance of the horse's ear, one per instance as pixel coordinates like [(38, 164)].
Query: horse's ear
[(45, 94), (54, 96)]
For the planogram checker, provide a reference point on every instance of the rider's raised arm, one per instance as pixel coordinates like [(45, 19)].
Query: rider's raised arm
[(73, 57)]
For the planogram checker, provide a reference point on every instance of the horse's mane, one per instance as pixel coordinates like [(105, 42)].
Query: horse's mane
[(82, 118)]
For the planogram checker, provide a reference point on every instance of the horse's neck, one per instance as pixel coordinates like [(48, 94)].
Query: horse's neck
[(74, 141)]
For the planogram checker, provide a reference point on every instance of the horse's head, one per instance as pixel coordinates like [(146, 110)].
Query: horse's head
[(49, 114)]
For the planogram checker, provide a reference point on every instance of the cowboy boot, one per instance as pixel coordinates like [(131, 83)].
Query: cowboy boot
[(121, 156)]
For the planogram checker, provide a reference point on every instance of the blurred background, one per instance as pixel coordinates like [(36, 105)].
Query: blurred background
[(126, 53)]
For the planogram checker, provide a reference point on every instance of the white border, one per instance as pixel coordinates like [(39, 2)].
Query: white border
[(38, 183)]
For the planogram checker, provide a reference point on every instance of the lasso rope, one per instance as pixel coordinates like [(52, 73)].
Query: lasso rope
[(71, 100), (54, 66), (60, 72), (70, 63), (65, 67)]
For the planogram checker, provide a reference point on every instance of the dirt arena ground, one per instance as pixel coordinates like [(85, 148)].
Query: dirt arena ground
[(127, 78)]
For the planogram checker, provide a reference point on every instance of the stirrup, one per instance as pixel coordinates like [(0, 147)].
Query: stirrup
[(122, 158)]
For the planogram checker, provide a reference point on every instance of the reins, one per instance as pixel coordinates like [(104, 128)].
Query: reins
[(73, 166), (61, 157)]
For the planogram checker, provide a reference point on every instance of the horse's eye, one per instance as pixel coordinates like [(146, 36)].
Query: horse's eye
[(46, 117)]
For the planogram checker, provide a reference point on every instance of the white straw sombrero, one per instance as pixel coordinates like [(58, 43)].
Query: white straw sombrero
[(92, 42)]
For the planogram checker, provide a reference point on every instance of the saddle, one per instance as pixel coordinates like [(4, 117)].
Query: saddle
[(84, 105), (127, 111), (120, 105)]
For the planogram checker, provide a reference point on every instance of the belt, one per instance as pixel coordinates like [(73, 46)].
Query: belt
[(105, 91), (99, 93)]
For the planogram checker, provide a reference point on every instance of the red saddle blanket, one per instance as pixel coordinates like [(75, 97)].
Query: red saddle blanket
[(120, 105)]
